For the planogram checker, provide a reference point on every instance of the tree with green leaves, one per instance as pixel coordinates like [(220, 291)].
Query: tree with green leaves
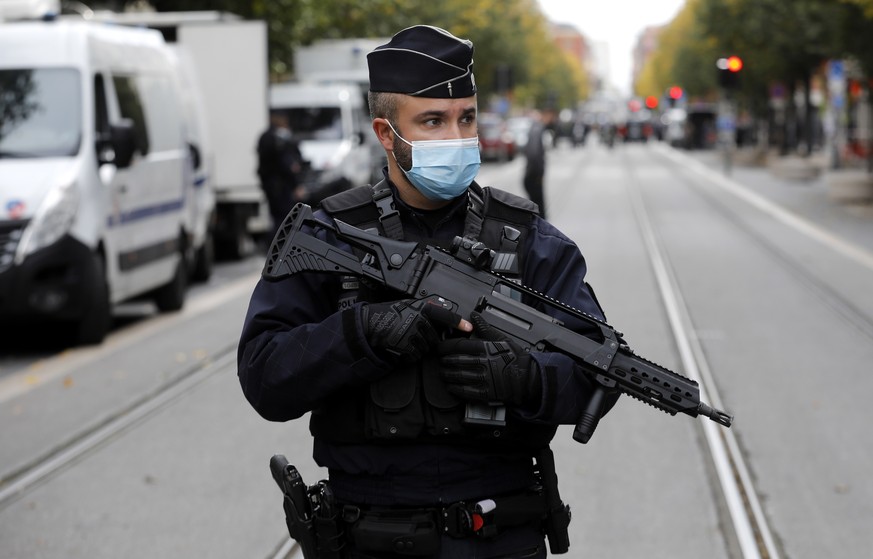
[(685, 57), (507, 33), (856, 42)]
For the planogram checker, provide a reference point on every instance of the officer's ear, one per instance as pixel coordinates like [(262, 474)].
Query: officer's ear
[(384, 133)]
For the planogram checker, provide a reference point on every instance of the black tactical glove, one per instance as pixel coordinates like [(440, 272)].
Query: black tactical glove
[(404, 331), (492, 369)]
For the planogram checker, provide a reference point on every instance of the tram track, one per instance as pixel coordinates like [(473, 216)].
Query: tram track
[(831, 297), (732, 203), (749, 534), (18, 483), (71, 446)]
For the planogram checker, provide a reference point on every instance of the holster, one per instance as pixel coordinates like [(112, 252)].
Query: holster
[(310, 512), (558, 516)]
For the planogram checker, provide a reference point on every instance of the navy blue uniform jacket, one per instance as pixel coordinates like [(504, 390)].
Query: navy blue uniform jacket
[(296, 349)]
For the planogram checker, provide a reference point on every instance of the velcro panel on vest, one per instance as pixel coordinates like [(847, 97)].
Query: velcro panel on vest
[(506, 214), (354, 206)]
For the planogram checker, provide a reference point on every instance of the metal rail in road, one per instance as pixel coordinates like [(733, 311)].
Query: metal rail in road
[(115, 426), (750, 528)]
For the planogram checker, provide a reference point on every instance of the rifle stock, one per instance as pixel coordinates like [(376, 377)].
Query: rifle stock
[(460, 278)]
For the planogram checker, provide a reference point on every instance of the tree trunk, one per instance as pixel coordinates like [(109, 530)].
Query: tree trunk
[(789, 122), (869, 130), (809, 125)]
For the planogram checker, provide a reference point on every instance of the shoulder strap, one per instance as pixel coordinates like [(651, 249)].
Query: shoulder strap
[(505, 228), (353, 206), (509, 207), (366, 207), (389, 217)]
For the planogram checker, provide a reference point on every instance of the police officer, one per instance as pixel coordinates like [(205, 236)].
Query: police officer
[(535, 160), (279, 165), (387, 381)]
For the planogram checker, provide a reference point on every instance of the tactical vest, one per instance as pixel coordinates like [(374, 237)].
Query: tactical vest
[(413, 404)]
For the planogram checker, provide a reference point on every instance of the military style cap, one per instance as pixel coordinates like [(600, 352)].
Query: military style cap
[(424, 61)]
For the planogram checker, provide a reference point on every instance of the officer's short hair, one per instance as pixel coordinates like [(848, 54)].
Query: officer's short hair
[(383, 105)]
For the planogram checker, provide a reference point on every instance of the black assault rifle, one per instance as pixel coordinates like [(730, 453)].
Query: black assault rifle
[(462, 281)]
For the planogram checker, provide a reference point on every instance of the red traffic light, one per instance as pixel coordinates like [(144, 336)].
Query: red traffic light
[(651, 102), (675, 92), (734, 63), (731, 64)]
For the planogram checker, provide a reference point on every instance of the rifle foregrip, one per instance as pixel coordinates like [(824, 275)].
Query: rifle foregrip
[(590, 416)]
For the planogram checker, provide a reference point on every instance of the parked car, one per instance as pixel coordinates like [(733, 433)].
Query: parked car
[(637, 130), (674, 122), (496, 142)]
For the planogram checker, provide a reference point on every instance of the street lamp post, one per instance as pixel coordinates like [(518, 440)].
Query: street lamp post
[(726, 122)]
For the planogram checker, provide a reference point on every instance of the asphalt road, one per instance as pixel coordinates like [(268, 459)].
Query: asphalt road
[(145, 447)]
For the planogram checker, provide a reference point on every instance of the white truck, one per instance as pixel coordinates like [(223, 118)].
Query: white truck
[(341, 63), (335, 60), (228, 57), (331, 126)]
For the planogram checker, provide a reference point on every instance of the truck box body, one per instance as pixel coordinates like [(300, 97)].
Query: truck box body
[(335, 60), (343, 62), (230, 58)]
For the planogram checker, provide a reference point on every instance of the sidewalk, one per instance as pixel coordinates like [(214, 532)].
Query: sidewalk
[(807, 198)]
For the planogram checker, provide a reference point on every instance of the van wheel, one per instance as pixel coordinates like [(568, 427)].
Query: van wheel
[(238, 246), (171, 297), (204, 259), (94, 326)]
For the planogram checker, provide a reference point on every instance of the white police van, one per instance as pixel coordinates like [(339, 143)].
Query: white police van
[(95, 174)]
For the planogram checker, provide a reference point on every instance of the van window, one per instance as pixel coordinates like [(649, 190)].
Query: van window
[(40, 112), (131, 107), (361, 119), (162, 113), (101, 112), (316, 123)]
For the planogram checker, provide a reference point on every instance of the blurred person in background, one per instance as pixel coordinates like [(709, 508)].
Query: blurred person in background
[(279, 166), (535, 155)]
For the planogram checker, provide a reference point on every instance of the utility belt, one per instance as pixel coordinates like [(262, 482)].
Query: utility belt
[(417, 531), (323, 527)]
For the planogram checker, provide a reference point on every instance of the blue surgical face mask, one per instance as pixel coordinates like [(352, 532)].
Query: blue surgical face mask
[(442, 169)]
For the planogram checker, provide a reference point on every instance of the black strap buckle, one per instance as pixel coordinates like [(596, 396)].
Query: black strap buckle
[(457, 520), (389, 217)]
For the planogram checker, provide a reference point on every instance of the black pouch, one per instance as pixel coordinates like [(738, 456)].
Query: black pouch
[(394, 407), (444, 413), (412, 533)]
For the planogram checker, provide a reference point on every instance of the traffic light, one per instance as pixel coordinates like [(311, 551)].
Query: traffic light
[(651, 102), (504, 81), (674, 93), (729, 71)]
